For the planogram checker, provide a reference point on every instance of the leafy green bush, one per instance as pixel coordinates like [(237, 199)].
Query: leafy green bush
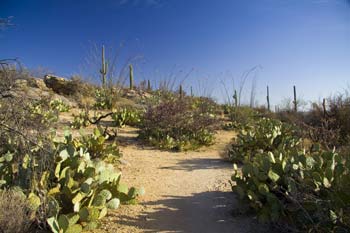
[(303, 190), (179, 124), (263, 136)]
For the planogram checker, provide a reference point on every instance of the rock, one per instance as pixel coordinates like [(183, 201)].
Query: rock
[(37, 83), (60, 85), (21, 83)]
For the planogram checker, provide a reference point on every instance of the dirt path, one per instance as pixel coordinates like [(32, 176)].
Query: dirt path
[(185, 192)]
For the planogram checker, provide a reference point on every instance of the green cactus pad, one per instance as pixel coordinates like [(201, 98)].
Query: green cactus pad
[(106, 194), (113, 203), (63, 222), (91, 226), (76, 228), (103, 212), (34, 201), (99, 200)]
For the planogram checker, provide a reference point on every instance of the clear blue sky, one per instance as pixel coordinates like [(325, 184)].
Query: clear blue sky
[(301, 42)]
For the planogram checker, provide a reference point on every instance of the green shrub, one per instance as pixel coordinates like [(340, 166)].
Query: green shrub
[(178, 125), (300, 189), (240, 116)]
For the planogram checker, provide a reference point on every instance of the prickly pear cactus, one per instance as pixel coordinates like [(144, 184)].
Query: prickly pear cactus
[(84, 189)]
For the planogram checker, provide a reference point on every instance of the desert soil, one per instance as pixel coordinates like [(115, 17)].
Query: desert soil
[(185, 191)]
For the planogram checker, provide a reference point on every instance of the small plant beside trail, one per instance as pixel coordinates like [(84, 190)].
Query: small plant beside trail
[(180, 124), (127, 116)]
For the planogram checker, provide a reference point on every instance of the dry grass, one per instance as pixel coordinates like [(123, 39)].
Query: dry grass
[(15, 214)]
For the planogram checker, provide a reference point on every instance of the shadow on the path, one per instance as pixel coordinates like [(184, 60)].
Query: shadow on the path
[(200, 164), (207, 212)]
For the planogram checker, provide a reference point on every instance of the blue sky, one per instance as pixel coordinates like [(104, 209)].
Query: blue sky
[(293, 42)]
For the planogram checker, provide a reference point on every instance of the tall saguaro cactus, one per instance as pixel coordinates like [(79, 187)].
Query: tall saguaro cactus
[(104, 68), (295, 99), (268, 98), (235, 98), (149, 88), (181, 92), (131, 77)]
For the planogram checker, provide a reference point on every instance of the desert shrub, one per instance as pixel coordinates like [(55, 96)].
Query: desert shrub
[(263, 136), (302, 190), (127, 116), (179, 125), (240, 116), (16, 215)]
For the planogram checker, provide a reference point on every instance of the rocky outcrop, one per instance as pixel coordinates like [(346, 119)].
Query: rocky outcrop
[(60, 85)]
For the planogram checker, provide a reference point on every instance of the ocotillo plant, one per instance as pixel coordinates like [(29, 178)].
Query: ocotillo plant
[(295, 99), (268, 98), (131, 76), (104, 68)]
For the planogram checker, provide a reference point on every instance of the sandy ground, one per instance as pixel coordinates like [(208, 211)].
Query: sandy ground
[(185, 192)]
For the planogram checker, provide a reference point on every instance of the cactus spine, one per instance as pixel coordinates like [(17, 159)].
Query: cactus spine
[(104, 68), (131, 76)]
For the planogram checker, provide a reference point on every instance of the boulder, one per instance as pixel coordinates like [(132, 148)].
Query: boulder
[(60, 85)]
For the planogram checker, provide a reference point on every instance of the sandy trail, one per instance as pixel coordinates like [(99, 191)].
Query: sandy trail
[(185, 192)]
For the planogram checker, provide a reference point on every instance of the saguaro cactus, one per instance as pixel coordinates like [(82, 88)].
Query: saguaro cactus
[(131, 76), (192, 92), (268, 98), (149, 88), (181, 91), (235, 98), (295, 99), (104, 68)]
